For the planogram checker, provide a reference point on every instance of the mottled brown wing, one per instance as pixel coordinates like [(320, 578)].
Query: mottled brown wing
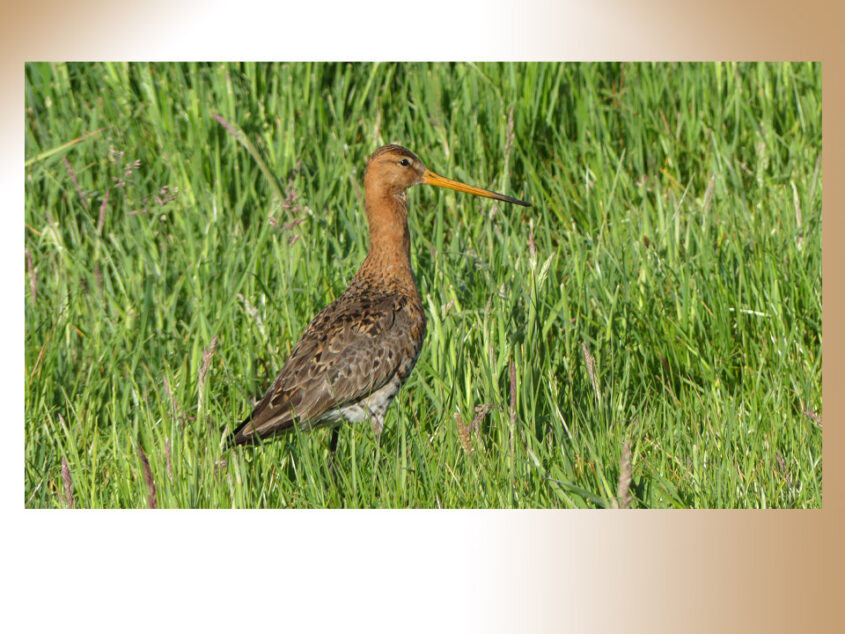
[(351, 348)]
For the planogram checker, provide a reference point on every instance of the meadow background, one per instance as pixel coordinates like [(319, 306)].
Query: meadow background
[(648, 334)]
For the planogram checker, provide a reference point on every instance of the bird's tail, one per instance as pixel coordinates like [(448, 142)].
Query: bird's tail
[(239, 436)]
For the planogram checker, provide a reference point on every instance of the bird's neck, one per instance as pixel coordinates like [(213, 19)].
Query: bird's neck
[(389, 258)]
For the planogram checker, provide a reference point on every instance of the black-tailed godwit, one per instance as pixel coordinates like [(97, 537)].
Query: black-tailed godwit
[(357, 353)]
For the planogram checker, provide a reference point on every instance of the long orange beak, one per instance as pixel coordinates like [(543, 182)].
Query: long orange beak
[(430, 178)]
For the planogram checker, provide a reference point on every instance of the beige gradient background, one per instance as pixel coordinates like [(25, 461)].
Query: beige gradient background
[(492, 571)]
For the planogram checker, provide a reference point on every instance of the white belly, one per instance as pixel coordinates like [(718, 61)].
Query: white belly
[(371, 408)]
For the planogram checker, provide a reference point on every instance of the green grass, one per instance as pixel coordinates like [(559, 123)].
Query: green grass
[(671, 298)]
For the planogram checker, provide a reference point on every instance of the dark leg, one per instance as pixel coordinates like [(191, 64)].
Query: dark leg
[(332, 448), (333, 441)]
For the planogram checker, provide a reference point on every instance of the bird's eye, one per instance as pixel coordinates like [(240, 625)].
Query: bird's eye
[(405, 162)]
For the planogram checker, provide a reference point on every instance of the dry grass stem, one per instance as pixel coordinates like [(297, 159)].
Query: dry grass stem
[(591, 369), (464, 433), (623, 486), (782, 466), (816, 418), (152, 502), (72, 173), (67, 483), (481, 412), (169, 461), (103, 208), (207, 354)]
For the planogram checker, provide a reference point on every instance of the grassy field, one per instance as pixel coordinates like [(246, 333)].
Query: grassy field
[(649, 333)]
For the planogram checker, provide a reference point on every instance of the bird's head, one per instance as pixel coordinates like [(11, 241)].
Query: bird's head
[(392, 169)]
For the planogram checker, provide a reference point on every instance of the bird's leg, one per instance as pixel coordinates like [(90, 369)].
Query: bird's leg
[(332, 449)]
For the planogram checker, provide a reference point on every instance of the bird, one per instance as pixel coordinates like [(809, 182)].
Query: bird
[(355, 355)]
